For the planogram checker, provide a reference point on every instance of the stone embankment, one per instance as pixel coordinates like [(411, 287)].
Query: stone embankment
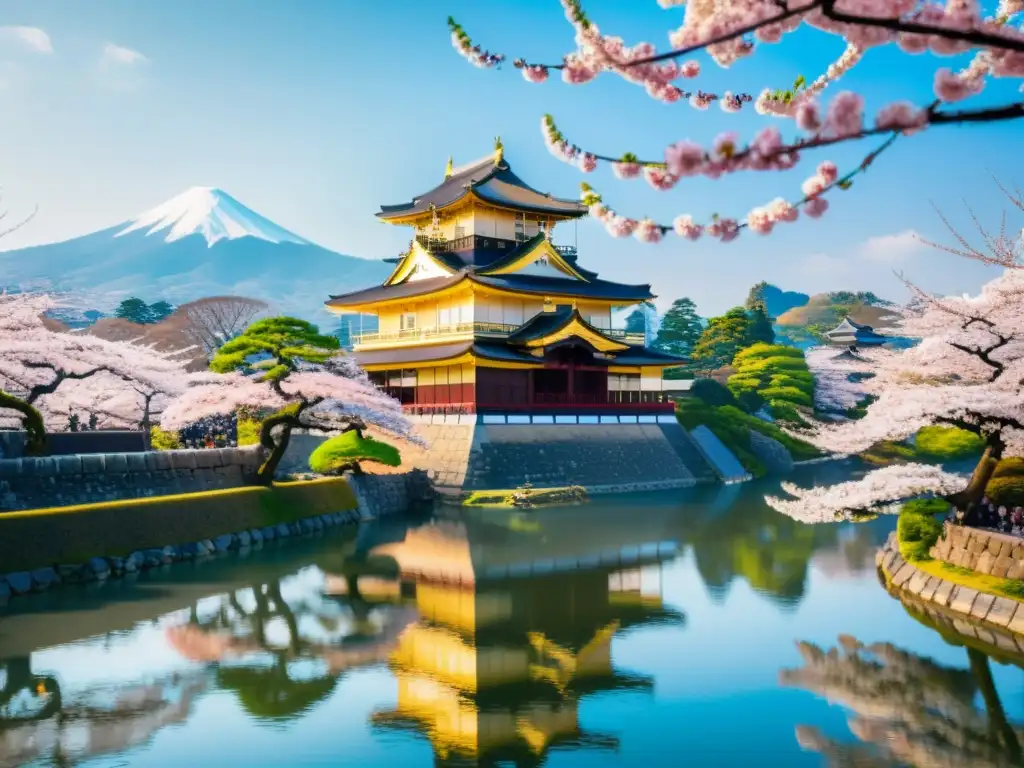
[(977, 611), (987, 552), (365, 497), (56, 481)]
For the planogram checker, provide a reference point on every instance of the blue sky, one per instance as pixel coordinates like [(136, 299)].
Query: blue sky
[(315, 112)]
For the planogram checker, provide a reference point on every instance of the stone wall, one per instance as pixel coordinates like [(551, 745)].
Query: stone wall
[(12, 442), (770, 452), (385, 495), (53, 481), (988, 552), (604, 458), (725, 464)]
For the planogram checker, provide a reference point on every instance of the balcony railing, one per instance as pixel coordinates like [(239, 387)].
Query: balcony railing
[(571, 405), (465, 330), (473, 242)]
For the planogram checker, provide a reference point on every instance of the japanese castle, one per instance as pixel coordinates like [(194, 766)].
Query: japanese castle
[(484, 314)]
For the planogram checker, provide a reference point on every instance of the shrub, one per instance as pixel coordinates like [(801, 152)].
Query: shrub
[(917, 528), (761, 350), (162, 440), (712, 392), (888, 452), (1012, 467), (788, 394), (346, 451), (787, 412), (740, 383), (248, 431), (948, 443), (750, 401), (1006, 491)]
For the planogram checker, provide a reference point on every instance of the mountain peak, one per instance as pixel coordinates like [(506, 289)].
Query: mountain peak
[(209, 212)]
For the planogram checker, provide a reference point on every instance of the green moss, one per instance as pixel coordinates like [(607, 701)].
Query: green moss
[(761, 351), (1006, 491), (948, 443), (787, 413), (918, 529), (341, 452), (888, 452), (162, 440), (1012, 467), (712, 392)]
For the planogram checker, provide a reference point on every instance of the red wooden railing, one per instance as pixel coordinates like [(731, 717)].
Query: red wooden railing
[(581, 407)]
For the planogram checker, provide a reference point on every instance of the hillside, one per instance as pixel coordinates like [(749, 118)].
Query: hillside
[(830, 308)]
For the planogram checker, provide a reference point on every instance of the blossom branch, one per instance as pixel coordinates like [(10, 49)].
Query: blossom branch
[(761, 220)]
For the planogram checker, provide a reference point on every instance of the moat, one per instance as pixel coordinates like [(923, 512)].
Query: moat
[(696, 627)]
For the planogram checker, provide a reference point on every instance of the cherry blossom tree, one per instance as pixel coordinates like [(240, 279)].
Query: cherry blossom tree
[(47, 375), (285, 366), (730, 30), (967, 371)]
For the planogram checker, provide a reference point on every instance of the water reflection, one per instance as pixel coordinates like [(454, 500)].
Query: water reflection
[(907, 709), (517, 638), (496, 666)]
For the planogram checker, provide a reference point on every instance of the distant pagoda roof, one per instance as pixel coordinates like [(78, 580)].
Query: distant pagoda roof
[(492, 180), (852, 333)]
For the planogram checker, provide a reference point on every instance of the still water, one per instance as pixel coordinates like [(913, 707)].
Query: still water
[(699, 628)]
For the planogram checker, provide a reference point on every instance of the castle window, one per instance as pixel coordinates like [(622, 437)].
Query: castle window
[(460, 231), (407, 322), (520, 227)]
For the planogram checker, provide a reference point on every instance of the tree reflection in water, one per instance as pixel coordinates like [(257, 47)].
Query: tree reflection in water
[(281, 679), (908, 710), (39, 724)]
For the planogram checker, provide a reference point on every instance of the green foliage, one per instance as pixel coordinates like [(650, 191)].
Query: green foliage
[(776, 373), (680, 329), (1006, 490), (712, 392), (249, 431), (162, 440), (787, 412), (948, 443), (787, 394), (917, 528), (888, 452), (759, 329), (135, 310), (732, 426), (283, 341), (1011, 467), (347, 450), (722, 339), (860, 410), (750, 401)]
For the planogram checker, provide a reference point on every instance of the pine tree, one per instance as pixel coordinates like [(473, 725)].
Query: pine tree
[(760, 328), (680, 328), (722, 339)]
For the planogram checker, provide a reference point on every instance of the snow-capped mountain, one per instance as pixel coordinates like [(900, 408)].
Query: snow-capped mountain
[(200, 243)]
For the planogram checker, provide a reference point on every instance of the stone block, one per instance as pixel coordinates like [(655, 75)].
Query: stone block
[(68, 465), (965, 628), (40, 466), (1018, 552), (903, 574), (1016, 571), (136, 462), (930, 586), (224, 543), (994, 545), (1001, 566), (207, 459), (977, 545), (157, 461), (244, 539), (917, 582), (1015, 624), (116, 462), (982, 605), (1006, 548), (20, 582), (183, 460), (44, 578), (972, 560), (985, 562), (943, 592), (1001, 611), (962, 600), (93, 463), (10, 467), (1005, 642)]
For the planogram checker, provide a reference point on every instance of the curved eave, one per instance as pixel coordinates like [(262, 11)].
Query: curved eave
[(442, 355), (525, 255), (404, 269), (573, 326)]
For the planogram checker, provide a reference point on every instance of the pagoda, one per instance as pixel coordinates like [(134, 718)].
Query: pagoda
[(484, 314), (853, 335)]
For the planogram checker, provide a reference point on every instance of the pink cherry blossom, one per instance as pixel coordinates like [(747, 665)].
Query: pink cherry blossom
[(586, 162), (807, 117), (535, 74), (845, 114), (626, 170), (816, 207), (684, 226), (648, 232), (659, 178), (902, 116), (684, 158)]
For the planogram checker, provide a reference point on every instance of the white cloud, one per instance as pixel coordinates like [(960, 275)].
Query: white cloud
[(121, 56), (33, 37), (891, 248)]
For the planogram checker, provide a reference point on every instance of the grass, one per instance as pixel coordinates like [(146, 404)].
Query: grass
[(992, 585), (933, 445)]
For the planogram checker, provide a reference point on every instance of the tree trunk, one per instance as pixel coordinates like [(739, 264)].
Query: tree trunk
[(32, 420), (975, 490), (999, 727), (275, 448)]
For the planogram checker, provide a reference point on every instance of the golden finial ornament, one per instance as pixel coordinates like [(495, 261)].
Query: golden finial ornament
[(499, 150), (449, 168)]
